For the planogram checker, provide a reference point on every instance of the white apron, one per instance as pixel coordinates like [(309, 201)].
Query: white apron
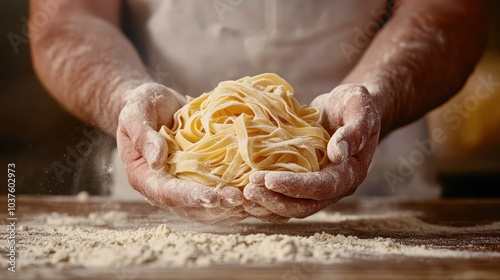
[(192, 45)]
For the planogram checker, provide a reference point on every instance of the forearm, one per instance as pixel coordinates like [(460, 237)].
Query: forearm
[(421, 58), (88, 66)]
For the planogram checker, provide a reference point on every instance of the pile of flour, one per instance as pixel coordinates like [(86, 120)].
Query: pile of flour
[(97, 241)]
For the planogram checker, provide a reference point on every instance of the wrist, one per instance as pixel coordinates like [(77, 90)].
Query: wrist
[(149, 98), (106, 117), (152, 88), (385, 106)]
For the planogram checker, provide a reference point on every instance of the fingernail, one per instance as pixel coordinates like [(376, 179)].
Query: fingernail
[(150, 152), (338, 152), (248, 193), (259, 211), (228, 201), (343, 149), (236, 200), (257, 178)]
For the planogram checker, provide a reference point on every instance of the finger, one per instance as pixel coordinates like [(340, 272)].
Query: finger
[(283, 205), (258, 177), (230, 221), (235, 215), (273, 218), (181, 99), (158, 186), (261, 213), (320, 100), (351, 138), (211, 216), (158, 103), (139, 127), (359, 122), (230, 196), (320, 185), (141, 118), (332, 182), (183, 193)]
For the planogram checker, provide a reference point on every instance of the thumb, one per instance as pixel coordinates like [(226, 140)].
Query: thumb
[(152, 106), (319, 101)]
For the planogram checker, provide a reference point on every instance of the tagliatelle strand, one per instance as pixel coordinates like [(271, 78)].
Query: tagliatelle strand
[(241, 126)]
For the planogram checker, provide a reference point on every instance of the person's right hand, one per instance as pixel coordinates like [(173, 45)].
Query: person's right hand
[(143, 151), (349, 114)]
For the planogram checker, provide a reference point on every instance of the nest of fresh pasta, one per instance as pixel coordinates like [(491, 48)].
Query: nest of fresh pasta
[(241, 126)]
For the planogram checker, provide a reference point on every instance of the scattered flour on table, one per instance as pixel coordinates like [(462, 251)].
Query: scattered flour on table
[(93, 219), (83, 196), (90, 241)]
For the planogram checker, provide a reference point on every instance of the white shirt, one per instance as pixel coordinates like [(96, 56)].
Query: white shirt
[(200, 43)]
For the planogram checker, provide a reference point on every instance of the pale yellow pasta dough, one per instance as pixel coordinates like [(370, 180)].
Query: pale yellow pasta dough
[(241, 126)]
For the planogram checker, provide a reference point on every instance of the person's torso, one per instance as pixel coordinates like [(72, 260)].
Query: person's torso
[(192, 45)]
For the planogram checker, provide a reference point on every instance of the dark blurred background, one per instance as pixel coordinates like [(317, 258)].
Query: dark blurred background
[(38, 135)]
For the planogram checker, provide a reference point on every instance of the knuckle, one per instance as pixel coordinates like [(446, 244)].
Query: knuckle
[(363, 172), (304, 214), (350, 191), (352, 90), (124, 115), (148, 90)]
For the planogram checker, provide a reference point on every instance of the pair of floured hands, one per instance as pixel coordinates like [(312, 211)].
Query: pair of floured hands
[(347, 113)]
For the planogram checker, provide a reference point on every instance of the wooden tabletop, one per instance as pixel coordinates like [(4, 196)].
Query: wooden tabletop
[(454, 214)]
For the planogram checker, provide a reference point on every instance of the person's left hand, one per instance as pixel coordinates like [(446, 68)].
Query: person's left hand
[(349, 113), (144, 151)]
